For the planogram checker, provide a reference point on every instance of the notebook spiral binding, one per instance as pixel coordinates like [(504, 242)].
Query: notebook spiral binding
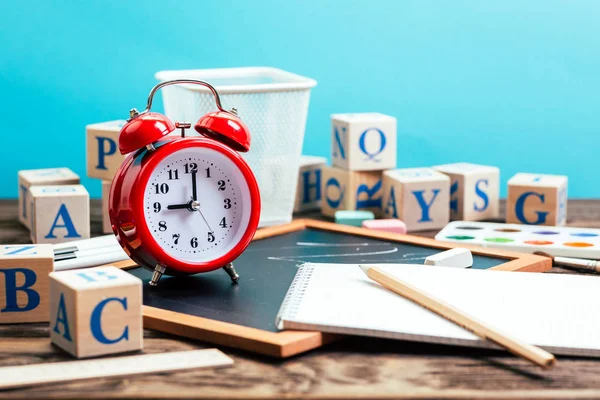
[(293, 298)]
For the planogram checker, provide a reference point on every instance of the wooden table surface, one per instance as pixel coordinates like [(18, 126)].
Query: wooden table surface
[(352, 368)]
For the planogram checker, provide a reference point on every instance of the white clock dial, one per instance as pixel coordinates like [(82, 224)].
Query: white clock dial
[(208, 226)]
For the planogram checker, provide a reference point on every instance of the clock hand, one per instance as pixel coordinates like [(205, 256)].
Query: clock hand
[(185, 206), (202, 215), (195, 206), (194, 191)]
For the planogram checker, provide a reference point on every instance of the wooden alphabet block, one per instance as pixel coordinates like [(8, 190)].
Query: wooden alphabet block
[(103, 156), (106, 228), (418, 196), (32, 177), (24, 282), (537, 199), (349, 190), (59, 213), (96, 311), (474, 191), (308, 189), (363, 142)]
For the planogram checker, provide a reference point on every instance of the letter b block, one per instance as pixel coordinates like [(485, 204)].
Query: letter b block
[(363, 142), (536, 199), (96, 311), (349, 190), (418, 196), (103, 156), (24, 270)]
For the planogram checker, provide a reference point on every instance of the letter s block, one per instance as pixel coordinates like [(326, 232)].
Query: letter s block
[(350, 190), (103, 156), (474, 191), (537, 199), (24, 270), (418, 196), (363, 142), (60, 213), (308, 189), (96, 311)]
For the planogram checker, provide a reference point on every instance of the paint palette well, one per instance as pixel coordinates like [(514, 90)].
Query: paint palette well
[(555, 240)]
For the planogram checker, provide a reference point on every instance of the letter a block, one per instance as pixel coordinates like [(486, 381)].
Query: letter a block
[(474, 191), (536, 199), (363, 142), (24, 270), (60, 213), (96, 311), (348, 190), (308, 189), (418, 196), (103, 156), (32, 177)]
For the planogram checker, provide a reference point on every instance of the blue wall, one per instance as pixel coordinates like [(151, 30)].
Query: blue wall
[(514, 84)]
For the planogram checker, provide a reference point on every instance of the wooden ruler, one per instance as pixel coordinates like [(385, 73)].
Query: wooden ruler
[(27, 375)]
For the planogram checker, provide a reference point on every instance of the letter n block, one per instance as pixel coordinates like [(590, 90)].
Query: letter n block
[(537, 199), (363, 142), (308, 189), (474, 191), (350, 190), (24, 270), (418, 196), (60, 213), (96, 311), (32, 177), (103, 156)]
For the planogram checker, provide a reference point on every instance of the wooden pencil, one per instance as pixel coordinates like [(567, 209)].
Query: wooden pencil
[(532, 353)]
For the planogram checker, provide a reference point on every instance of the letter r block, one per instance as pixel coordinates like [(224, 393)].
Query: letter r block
[(102, 149), (474, 191), (418, 196), (96, 311), (350, 190), (24, 270), (363, 142), (537, 199), (308, 189)]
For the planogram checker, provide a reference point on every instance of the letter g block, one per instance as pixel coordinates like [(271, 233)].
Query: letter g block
[(537, 199), (96, 311)]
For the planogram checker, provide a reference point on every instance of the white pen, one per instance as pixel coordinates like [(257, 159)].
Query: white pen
[(85, 244), (91, 261)]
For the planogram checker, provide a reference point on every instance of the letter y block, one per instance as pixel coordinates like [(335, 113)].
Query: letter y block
[(96, 311)]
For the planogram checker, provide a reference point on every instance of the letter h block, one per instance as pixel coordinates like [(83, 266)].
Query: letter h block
[(103, 156), (350, 190), (24, 270), (96, 311), (536, 199), (474, 191), (308, 189), (363, 142), (418, 196), (33, 177)]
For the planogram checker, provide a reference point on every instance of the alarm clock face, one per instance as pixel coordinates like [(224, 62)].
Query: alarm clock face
[(197, 204)]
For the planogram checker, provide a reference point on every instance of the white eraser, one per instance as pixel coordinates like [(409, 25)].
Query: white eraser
[(457, 258)]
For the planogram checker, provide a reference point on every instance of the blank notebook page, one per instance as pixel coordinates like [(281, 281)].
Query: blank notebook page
[(557, 312)]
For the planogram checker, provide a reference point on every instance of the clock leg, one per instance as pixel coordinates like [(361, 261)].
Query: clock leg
[(159, 270), (232, 273)]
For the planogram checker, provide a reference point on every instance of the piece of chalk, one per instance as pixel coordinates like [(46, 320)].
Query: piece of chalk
[(457, 258), (353, 217), (391, 225)]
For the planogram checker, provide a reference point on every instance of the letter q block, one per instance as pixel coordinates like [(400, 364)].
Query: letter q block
[(33, 177), (537, 199), (60, 213), (418, 196), (24, 270), (350, 190), (308, 189), (363, 142), (96, 311), (474, 191), (103, 156)]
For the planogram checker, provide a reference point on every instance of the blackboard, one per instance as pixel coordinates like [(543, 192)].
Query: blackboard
[(269, 265)]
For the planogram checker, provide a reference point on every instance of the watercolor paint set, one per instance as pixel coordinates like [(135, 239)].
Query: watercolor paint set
[(556, 240)]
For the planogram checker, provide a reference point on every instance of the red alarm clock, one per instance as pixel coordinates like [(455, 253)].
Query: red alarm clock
[(184, 205)]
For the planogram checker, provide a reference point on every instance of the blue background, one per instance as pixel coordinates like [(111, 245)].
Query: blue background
[(513, 84)]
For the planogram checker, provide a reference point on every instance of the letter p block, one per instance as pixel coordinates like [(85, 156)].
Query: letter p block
[(96, 311)]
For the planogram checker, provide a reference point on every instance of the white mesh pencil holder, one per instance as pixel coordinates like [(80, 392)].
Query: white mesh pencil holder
[(274, 105)]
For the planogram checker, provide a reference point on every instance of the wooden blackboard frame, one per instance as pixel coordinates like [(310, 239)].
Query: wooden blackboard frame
[(288, 343)]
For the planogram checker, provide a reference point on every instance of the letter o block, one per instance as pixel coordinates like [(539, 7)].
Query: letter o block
[(103, 156), (536, 199), (96, 311)]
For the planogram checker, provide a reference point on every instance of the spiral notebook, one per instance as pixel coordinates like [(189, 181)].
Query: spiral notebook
[(556, 312)]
